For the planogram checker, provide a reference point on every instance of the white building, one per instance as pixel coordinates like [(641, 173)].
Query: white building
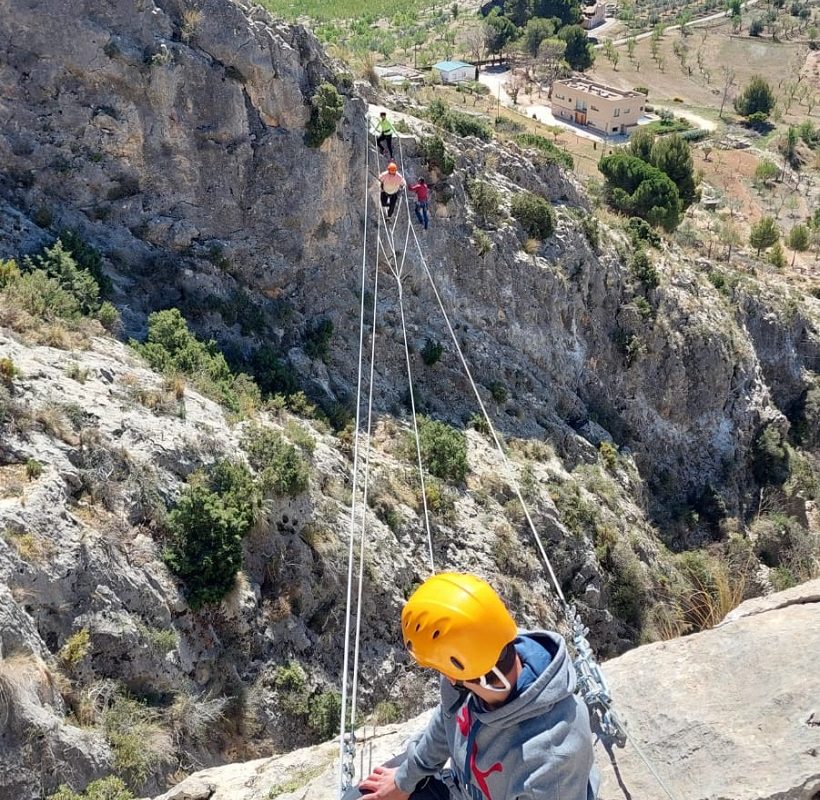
[(455, 71)]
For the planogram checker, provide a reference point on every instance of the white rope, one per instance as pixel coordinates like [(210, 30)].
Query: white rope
[(490, 425), (396, 270), (368, 439), (343, 779)]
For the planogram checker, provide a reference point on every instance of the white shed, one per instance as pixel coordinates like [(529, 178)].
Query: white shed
[(455, 71)]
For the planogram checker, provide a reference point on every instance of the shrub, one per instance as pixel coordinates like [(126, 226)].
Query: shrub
[(108, 316), (498, 391), (172, 349), (435, 155), (549, 151), (327, 107), (465, 125), (431, 352), (206, 529), (317, 339), (592, 231), (756, 101), (110, 788), (8, 371), (479, 422), (535, 214), (609, 454), (9, 272), (640, 230), (42, 297), (58, 263), (87, 258), (325, 713), (770, 458), (34, 469), (636, 188), (484, 198), (644, 270), (136, 738), (780, 542), (282, 469), (443, 450), (75, 649)]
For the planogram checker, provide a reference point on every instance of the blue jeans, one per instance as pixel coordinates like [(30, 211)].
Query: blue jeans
[(421, 213)]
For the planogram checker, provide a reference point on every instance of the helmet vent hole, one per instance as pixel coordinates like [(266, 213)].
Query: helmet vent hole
[(410, 646), (436, 634), (456, 663), (418, 628)]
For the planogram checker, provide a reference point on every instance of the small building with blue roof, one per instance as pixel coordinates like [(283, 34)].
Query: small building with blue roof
[(455, 71)]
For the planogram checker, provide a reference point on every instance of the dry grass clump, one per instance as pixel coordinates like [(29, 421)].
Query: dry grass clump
[(32, 548)]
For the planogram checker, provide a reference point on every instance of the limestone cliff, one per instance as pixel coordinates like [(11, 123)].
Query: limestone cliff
[(171, 136)]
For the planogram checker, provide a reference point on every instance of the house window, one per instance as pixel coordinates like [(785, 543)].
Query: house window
[(615, 128), (594, 108), (617, 112), (626, 111)]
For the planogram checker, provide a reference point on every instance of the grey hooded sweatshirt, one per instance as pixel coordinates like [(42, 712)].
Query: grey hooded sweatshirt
[(537, 746)]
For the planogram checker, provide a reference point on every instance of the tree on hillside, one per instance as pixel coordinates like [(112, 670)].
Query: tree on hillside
[(640, 144), (798, 240), (636, 188), (764, 234), (757, 98), (672, 156), (499, 32), (536, 31), (518, 11), (550, 55), (729, 236), (567, 11), (579, 54)]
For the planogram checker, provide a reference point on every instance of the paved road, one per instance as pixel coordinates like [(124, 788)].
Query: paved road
[(693, 23)]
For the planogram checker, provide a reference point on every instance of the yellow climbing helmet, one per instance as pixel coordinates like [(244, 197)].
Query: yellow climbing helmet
[(457, 625)]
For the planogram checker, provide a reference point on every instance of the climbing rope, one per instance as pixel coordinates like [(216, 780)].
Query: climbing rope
[(591, 682)]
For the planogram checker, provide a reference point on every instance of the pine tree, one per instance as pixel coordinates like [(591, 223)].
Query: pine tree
[(764, 234)]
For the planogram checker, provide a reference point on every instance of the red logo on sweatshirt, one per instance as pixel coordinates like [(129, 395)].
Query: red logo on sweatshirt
[(481, 775), (463, 720)]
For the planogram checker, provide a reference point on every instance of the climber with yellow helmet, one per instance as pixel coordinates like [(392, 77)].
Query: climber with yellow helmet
[(508, 721), (391, 183)]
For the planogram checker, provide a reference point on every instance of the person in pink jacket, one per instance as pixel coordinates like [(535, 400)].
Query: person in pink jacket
[(391, 183)]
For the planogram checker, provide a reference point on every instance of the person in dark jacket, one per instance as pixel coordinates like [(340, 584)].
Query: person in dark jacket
[(508, 722)]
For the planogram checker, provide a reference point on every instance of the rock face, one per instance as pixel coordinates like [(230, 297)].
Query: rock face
[(728, 714), (173, 139)]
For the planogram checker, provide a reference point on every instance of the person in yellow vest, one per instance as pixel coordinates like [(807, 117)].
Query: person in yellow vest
[(391, 183), (385, 131)]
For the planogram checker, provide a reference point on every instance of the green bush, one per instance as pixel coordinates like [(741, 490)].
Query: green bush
[(58, 263), (206, 529), (282, 469), (108, 316), (9, 272), (327, 107), (433, 152), (8, 371), (640, 230), (42, 297), (110, 788), (172, 349), (549, 151), (644, 270), (637, 188), (431, 352), (325, 714), (34, 469), (498, 391), (134, 734), (485, 199), (87, 258), (770, 457), (465, 125), (317, 339), (273, 375), (535, 214), (443, 450)]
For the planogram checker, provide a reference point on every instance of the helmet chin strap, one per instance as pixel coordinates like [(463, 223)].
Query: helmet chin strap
[(505, 684)]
